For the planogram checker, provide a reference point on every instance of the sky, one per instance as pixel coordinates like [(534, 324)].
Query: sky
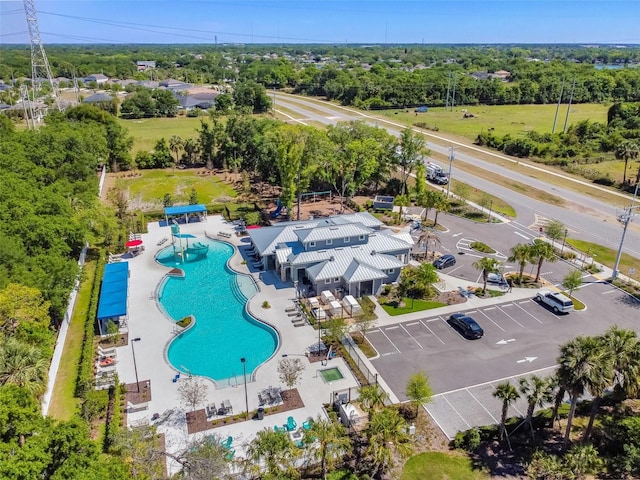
[(329, 21)]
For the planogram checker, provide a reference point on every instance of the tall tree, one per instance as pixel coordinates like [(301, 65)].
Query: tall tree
[(625, 151), (418, 389), (508, 394), (522, 254), (538, 393), (486, 265), (372, 398), (572, 280), (387, 434), (329, 443), (276, 451), (23, 365), (175, 145), (541, 252), (411, 148), (624, 347)]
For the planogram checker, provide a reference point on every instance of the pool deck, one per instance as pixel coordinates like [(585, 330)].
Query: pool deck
[(155, 330)]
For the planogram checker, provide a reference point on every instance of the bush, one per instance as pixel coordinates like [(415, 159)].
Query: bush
[(481, 247), (469, 440), (185, 322), (265, 304)]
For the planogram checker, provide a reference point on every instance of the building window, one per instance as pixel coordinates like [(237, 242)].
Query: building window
[(327, 281), (347, 239), (336, 280), (361, 237), (391, 270), (329, 242), (312, 244)]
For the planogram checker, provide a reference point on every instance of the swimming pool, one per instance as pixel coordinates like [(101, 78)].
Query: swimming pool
[(224, 332)]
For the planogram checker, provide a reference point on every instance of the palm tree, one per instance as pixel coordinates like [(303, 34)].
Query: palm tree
[(330, 440), (23, 365), (558, 392), (537, 391), (542, 251), (401, 201), (624, 346), (581, 366), (372, 398), (523, 254), (426, 274), (190, 148), (508, 394), (175, 145), (441, 205), (626, 151), (387, 434), (276, 451), (486, 265), (600, 377), (410, 150)]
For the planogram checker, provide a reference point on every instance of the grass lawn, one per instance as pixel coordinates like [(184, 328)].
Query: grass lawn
[(607, 256), (152, 185), (146, 131), (63, 402), (440, 466), (411, 306), (512, 119)]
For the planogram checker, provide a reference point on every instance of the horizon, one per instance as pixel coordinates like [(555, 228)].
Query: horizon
[(311, 22)]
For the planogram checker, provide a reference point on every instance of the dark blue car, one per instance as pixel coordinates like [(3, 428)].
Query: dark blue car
[(444, 261), (466, 326)]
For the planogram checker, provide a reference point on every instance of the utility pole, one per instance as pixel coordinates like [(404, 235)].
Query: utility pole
[(453, 95), (446, 103), (451, 150), (555, 119), (40, 69), (566, 118), (625, 219)]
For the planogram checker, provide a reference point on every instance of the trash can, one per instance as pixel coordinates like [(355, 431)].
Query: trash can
[(260, 413)]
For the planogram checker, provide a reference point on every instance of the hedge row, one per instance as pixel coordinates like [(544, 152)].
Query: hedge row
[(114, 415)]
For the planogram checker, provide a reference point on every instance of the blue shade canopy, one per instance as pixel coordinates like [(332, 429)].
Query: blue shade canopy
[(184, 209), (113, 292)]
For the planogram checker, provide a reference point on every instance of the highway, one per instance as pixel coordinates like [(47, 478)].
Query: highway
[(586, 217)]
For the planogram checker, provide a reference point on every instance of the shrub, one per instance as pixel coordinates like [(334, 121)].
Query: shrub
[(185, 322), (265, 304), (481, 247)]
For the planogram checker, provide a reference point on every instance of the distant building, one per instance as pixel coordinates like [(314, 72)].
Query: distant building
[(99, 78), (203, 101), (145, 65), (98, 98)]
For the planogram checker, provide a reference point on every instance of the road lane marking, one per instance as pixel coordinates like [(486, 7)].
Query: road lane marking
[(417, 343), (432, 332), (412, 324), (521, 235), (505, 341), (526, 359), (492, 321)]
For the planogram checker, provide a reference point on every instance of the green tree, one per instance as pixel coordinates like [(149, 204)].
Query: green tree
[(418, 389), (411, 147), (572, 280), (420, 188), (486, 265), (224, 103), (276, 451), (625, 151), (508, 394), (582, 460), (175, 145), (522, 254), (193, 197), (23, 312), (167, 200), (372, 398), (205, 459), (23, 365), (401, 201), (537, 391), (624, 347), (290, 371), (542, 251), (387, 435), (161, 155), (555, 230), (441, 204), (329, 443), (190, 149)]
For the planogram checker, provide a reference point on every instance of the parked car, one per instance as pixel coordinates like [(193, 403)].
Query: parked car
[(557, 301), (444, 261), (497, 278), (466, 326)]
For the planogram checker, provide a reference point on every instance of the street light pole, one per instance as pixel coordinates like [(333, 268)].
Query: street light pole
[(450, 170), (246, 397), (135, 367), (564, 240), (625, 219), (490, 210)]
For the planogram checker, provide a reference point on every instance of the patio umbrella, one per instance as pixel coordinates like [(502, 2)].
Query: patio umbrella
[(133, 243)]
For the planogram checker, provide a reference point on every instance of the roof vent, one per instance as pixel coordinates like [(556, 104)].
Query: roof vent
[(373, 252), (332, 258)]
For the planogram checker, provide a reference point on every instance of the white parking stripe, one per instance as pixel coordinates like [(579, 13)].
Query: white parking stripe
[(457, 412), (482, 313), (432, 332), (530, 314), (512, 318), (482, 405), (394, 345), (417, 343)]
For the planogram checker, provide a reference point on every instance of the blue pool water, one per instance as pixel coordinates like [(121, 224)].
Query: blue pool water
[(224, 332)]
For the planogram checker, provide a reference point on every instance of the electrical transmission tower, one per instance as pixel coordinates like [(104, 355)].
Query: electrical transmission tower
[(40, 70)]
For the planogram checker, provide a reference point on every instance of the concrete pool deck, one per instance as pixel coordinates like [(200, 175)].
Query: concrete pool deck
[(147, 322)]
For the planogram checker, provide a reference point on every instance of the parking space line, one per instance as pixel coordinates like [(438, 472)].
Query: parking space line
[(512, 318), (482, 405), (530, 314), (432, 332), (457, 412), (481, 312), (418, 343), (387, 337), (412, 324), (391, 328)]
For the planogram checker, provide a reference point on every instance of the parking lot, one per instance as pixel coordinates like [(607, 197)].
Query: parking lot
[(520, 337)]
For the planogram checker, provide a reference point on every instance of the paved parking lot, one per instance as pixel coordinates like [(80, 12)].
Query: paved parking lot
[(520, 337)]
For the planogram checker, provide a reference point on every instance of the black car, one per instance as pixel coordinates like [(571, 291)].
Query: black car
[(444, 261), (466, 326)]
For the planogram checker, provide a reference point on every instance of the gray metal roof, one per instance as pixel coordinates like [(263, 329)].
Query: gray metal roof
[(332, 232), (359, 272)]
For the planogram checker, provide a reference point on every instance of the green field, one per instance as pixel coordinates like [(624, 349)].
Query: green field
[(441, 466), (410, 306), (147, 131), (147, 191), (512, 119), (607, 256)]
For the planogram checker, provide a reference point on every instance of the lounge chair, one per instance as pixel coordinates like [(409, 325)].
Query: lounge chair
[(293, 308), (291, 424), (227, 443), (106, 352), (211, 410), (306, 425), (293, 314)]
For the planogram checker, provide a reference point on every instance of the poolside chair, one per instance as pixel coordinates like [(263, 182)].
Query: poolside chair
[(227, 443), (291, 424), (230, 454), (292, 308), (306, 425), (276, 428), (211, 410)]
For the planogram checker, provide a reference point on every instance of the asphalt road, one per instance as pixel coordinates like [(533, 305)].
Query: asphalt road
[(588, 219)]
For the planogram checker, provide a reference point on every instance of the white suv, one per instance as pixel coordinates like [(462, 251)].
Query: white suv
[(555, 300)]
